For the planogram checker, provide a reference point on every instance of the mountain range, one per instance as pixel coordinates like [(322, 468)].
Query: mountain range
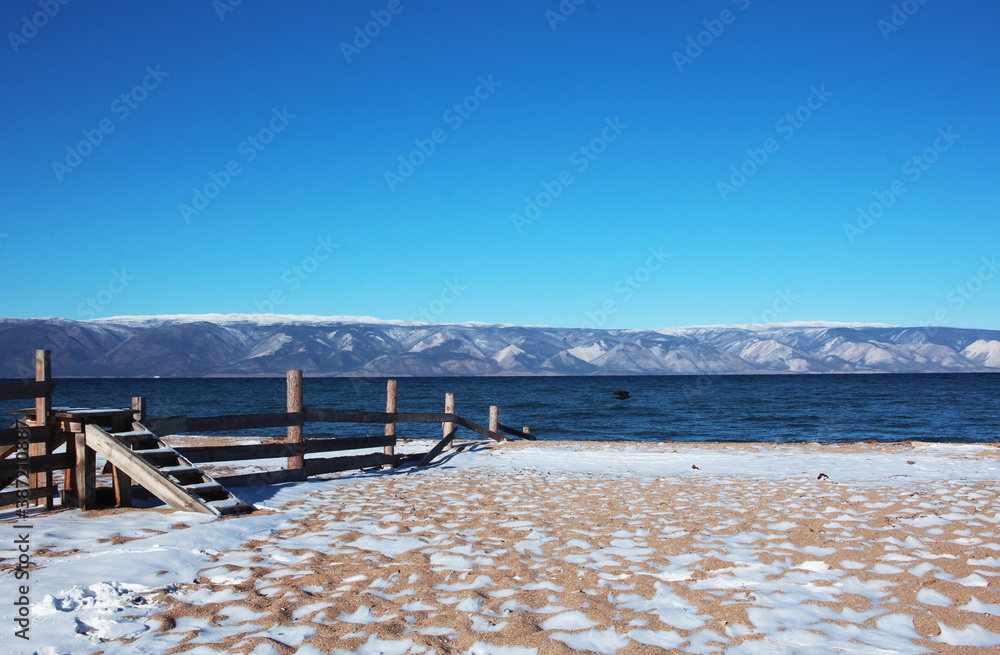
[(241, 345)]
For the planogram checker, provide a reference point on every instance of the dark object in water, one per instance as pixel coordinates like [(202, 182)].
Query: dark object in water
[(622, 395)]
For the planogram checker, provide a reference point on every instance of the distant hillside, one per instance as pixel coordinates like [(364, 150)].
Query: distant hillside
[(266, 345)]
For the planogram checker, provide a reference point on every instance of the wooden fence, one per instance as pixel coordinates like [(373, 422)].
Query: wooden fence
[(296, 445), (26, 448), (27, 457)]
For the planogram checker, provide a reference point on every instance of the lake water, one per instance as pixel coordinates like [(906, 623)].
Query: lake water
[(825, 408)]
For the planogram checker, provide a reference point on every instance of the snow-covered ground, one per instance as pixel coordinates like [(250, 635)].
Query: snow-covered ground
[(544, 548)]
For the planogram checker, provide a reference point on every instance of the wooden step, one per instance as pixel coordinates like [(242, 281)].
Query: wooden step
[(182, 469), (156, 466), (202, 487), (157, 453), (133, 434), (228, 506)]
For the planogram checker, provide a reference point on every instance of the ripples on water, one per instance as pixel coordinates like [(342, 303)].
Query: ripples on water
[(826, 408)]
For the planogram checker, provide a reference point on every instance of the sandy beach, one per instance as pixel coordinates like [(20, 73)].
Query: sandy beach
[(553, 548)]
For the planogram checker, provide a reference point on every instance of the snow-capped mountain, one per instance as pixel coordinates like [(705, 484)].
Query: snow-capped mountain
[(268, 345)]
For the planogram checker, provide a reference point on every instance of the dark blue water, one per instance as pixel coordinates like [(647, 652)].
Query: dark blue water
[(825, 408)]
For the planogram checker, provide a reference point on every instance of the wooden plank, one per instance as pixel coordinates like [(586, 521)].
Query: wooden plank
[(347, 416), (166, 426), (69, 476), (243, 422), (349, 463), (465, 423), (123, 487), (26, 389), (43, 411), (423, 417), (182, 424), (263, 478), (436, 450), (85, 412), (278, 450), (354, 416), (142, 472), (57, 441), (40, 464), (11, 497), (138, 408), (517, 433), (236, 453), (348, 443), (85, 474), (36, 434)]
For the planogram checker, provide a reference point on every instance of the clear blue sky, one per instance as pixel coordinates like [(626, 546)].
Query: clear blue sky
[(316, 212)]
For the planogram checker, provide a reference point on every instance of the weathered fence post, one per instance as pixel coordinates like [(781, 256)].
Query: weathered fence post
[(86, 470), (43, 407), (494, 418), (294, 404), (449, 408), (390, 408), (138, 408), (122, 481)]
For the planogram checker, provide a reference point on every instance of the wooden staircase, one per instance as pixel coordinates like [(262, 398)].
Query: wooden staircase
[(168, 475)]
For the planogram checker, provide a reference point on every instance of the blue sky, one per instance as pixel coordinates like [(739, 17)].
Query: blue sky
[(613, 165)]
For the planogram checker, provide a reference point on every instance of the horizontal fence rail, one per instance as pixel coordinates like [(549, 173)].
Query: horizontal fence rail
[(12, 436), (182, 424), (11, 497), (202, 454), (352, 416), (38, 464), (27, 389)]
